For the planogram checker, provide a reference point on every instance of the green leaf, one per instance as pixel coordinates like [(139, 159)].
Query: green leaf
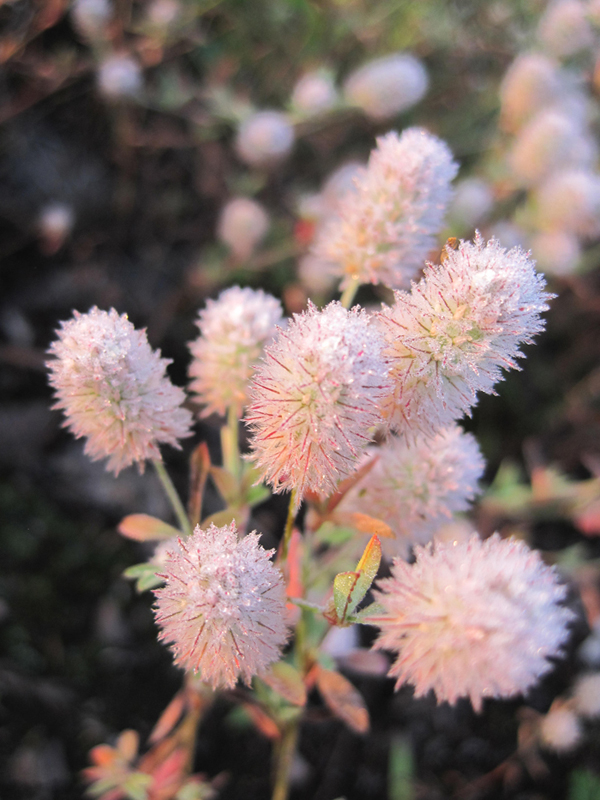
[(144, 575), (364, 615), (136, 785), (256, 495), (144, 528), (401, 770), (227, 484), (333, 535), (349, 588)]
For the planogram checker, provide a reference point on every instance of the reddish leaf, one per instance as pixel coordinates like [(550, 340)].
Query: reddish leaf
[(365, 524), (286, 681), (127, 744), (199, 470), (588, 520), (168, 719), (343, 699), (262, 721), (144, 528)]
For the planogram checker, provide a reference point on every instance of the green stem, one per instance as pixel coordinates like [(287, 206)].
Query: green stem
[(289, 527), (349, 292), (285, 757), (171, 493), (230, 443)]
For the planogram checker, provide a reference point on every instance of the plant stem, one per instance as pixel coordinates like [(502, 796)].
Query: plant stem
[(230, 442), (285, 757), (289, 527), (171, 493), (349, 292)]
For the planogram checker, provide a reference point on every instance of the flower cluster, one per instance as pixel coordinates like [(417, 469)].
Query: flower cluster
[(113, 389), (449, 338), (233, 331), (472, 619), (416, 487), (385, 229), (315, 398), (222, 608)]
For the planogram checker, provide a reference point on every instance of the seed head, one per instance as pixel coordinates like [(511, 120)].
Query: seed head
[(472, 619), (460, 325), (385, 228), (222, 609), (234, 329), (315, 398), (386, 86), (264, 138), (114, 389)]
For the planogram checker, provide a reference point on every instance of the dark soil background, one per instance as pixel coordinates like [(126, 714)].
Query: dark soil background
[(145, 180)]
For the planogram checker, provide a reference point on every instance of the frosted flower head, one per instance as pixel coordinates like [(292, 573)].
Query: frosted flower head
[(114, 390), (386, 86), (460, 325), (554, 138), (560, 730), (315, 398), (264, 137), (564, 28), (243, 224), (222, 609), (314, 93), (234, 329), (472, 619), (119, 76), (416, 486), (570, 201), (385, 229), (531, 82)]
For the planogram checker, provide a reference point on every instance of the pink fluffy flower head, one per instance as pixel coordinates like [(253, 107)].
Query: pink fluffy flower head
[(450, 337), (472, 619), (233, 331), (314, 399), (114, 389), (386, 228), (222, 608), (415, 486)]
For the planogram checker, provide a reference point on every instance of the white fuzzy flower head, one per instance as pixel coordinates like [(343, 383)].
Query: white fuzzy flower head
[(265, 137), (472, 619), (386, 86), (243, 224), (315, 398), (586, 695), (114, 390), (460, 325), (314, 93), (234, 329), (384, 230), (553, 138), (570, 201), (560, 730), (532, 82), (416, 486), (564, 28), (119, 76), (222, 608)]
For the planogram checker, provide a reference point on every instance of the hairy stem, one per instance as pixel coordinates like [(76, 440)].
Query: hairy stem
[(285, 757), (174, 499), (349, 293)]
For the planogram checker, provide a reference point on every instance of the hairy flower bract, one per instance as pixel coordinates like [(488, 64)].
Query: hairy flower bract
[(222, 608), (114, 389), (472, 619)]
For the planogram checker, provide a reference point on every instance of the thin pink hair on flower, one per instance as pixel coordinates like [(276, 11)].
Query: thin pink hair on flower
[(315, 398), (114, 390), (222, 608), (472, 619)]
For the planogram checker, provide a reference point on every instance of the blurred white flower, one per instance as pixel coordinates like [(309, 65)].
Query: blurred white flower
[(234, 329), (570, 201), (560, 729), (564, 28), (556, 252), (242, 225), (119, 76), (265, 137), (531, 82), (386, 86), (472, 619), (314, 93), (472, 202), (586, 695), (91, 17)]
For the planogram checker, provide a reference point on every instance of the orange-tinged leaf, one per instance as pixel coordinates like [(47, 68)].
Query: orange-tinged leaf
[(144, 528), (262, 721), (349, 588), (284, 679), (103, 755), (169, 718), (588, 520), (127, 744), (226, 517), (363, 523), (343, 699)]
